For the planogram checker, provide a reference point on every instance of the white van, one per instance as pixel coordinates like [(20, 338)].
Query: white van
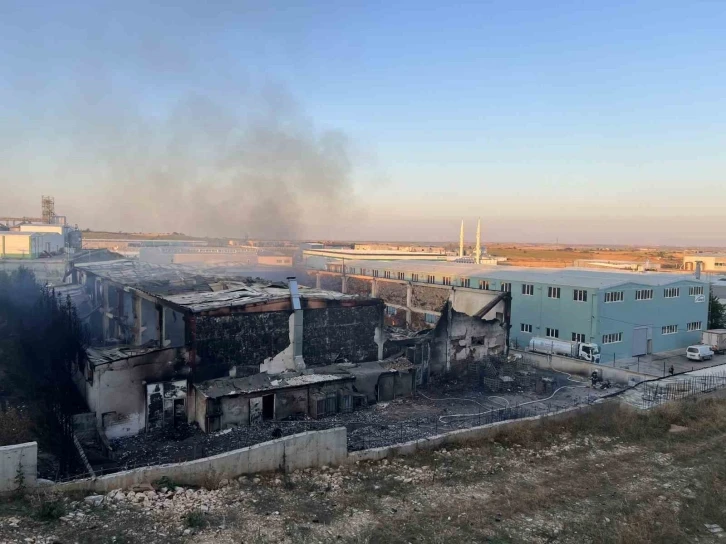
[(699, 353)]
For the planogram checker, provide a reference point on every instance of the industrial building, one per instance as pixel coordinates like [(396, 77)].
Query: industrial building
[(29, 245), (47, 225), (627, 314), (710, 262)]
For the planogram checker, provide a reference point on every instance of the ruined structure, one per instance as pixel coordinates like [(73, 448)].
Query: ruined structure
[(160, 329), (467, 323)]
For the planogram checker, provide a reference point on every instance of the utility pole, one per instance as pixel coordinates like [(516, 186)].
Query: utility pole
[(461, 240)]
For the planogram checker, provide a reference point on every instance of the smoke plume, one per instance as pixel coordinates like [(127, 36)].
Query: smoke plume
[(207, 169), (135, 131)]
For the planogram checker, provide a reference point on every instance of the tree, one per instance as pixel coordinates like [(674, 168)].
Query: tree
[(716, 313), (40, 342)]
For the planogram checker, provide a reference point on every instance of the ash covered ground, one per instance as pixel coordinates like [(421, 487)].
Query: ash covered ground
[(439, 408)]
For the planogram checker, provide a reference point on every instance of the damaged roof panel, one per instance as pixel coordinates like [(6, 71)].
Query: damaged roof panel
[(102, 356), (194, 291), (223, 387)]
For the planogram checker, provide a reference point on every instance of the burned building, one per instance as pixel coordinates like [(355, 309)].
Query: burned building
[(340, 388), (451, 325), (159, 329), (131, 388)]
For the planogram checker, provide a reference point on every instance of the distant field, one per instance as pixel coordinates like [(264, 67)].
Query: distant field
[(569, 256)]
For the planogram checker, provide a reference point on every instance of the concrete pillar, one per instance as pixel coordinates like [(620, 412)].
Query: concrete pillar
[(344, 285), (317, 281), (374, 288), (137, 319), (106, 311), (449, 324), (162, 324), (409, 303)]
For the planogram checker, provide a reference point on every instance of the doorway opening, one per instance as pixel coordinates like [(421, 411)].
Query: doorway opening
[(268, 407)]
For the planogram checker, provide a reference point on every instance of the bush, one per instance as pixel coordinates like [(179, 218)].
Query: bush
[(194, 519), (50, 509)]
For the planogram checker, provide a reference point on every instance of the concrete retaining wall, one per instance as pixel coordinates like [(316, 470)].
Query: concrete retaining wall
[(461, 436), (23, 456), (310, 449), (582, 368)]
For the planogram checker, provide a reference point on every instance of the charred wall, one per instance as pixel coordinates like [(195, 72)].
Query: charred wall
[(429, 298), (395, 293), (331, 283), (358, 286), (465, 340), (304, 278), (418, 322), (341, 331), (397, 319), (242, 340)]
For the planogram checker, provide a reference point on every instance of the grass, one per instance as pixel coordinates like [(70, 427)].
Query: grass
[(571, 488), (607, 474)]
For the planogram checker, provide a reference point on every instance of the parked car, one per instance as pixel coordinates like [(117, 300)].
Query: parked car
[(699, 353)]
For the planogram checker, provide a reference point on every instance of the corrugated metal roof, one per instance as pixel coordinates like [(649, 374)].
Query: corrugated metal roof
[(197, 291), (78, 296), (255, 293), (101, 356), (222, 387), (574, 277)]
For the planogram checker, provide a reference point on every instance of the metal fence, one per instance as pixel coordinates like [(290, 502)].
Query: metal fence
[(362, 435), (658, 392)]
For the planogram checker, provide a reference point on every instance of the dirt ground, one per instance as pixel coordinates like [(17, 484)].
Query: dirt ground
[(610, 475)]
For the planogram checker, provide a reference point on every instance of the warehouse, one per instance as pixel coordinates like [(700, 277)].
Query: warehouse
[(627, 314)]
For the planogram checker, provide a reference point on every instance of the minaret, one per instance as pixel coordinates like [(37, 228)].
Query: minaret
[(461, 240), (477, 251)]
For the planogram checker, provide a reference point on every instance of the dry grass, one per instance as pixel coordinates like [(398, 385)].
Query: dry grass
[(609, 474)]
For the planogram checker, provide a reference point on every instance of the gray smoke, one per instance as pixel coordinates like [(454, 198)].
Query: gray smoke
[(257, 169), (137, 124)]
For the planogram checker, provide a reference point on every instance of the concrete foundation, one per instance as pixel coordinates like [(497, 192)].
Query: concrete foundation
[(304, 450)]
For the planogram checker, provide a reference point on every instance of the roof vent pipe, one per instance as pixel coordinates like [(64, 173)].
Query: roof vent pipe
[(297, 324)]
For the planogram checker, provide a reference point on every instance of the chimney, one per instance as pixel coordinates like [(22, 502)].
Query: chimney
[(477, 251), (297, 324), (461, 240), (698, 270)]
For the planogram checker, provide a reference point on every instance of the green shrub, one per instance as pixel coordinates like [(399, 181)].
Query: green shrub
[(50, 509), (194, 519)]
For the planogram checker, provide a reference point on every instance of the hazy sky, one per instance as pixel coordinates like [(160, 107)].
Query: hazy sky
[(587, 121)]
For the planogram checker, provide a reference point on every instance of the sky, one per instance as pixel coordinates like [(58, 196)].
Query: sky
[(570, 121)]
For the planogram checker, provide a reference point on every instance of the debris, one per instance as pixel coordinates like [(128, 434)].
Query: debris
[(94, 500), (715, 529)]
